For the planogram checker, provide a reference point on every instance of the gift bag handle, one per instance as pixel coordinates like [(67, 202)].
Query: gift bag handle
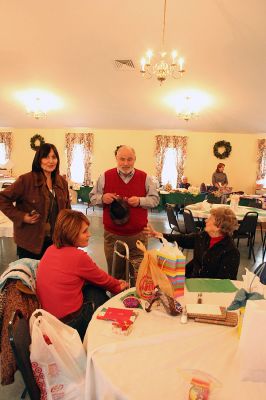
[(140, 246)]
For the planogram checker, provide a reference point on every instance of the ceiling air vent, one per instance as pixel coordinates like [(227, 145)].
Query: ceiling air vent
[(124, 65)]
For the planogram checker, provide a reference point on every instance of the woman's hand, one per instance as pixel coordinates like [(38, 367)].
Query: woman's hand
[(123, 285), (31, 219), (150, 232)]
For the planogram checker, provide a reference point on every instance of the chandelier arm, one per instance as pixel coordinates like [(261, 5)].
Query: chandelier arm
[(164, 17)]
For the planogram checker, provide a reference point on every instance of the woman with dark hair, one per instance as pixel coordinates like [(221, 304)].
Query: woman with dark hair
[(219, 178), (38, 195), (70, 285)]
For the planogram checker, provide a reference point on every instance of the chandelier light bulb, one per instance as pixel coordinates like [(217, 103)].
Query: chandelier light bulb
[(181, 65), (149, 56), (174, 55)]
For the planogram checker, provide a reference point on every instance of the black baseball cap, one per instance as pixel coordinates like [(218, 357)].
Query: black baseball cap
[(119, 211)]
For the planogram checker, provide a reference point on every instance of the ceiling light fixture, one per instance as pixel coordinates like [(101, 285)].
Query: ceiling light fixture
[(36, 109), (38, 102), (163, 66), (187, 112)]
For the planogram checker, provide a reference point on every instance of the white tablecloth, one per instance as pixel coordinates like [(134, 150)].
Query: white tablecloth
[(145, 364), (199, 211), (3, 180), (6, 226)]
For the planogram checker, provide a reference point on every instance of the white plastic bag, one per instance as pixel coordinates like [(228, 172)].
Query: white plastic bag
[(58, 358), (170, 249), (252, 349)]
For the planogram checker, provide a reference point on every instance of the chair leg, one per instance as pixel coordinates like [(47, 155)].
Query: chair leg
[(264, 246), (254, 258), (249, 244), (261, 233), (251, 247)]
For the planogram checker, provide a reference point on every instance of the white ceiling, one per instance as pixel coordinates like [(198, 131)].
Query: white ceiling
[(68, 47)]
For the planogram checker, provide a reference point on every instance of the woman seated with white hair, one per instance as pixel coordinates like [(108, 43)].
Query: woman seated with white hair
[(215, 254), (184, 183)]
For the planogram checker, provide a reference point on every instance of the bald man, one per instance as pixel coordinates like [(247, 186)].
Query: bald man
[(139, 191)]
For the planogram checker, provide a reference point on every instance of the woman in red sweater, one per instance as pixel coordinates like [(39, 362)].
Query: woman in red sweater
[(69, 284)]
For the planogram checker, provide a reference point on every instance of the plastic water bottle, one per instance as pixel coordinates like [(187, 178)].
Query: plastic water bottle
[(183, 319)]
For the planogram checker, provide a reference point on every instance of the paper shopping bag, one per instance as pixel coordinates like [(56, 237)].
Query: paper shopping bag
[(149, 275), (58, 358), (173, 263), (252, 349)]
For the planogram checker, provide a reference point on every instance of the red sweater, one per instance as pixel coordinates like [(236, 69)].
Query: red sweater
[(215, 240), (61, 275), (138, 217)]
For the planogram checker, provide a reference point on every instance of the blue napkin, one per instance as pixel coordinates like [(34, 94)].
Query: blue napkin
[(241, 298)]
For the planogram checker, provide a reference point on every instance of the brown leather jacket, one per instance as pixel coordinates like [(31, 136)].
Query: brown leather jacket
[(30, 192)]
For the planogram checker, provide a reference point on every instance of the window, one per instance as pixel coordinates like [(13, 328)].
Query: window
[(169, 170), (3, 158), (79, 149), (77, 167), (170, 155), (261, 157), (263, 167)]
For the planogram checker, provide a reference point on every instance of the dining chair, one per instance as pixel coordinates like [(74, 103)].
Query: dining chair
[(189, 222), (247, 230), (20, 340), (257, 203), (187, 201), (172, 220)]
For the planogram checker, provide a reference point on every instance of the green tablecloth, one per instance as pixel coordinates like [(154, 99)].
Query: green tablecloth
[(210, 285), (181, 198)]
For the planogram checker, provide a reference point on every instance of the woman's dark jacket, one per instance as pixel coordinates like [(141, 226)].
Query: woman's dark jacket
[(221, 261), (29, 192)]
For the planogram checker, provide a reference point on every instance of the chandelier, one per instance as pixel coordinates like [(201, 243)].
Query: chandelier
[(164, 66), (187, 113), (36, 109)]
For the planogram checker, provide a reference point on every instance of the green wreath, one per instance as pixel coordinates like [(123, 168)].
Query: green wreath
[(227, 149), (36, 141)]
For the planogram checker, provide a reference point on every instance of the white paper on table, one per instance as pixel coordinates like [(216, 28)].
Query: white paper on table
[(252, 349), (203, 309)]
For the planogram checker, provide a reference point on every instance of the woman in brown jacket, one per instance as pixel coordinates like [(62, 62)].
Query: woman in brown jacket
[(38, 195)]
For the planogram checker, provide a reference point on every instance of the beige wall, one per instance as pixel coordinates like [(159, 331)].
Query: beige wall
[(200, 163)]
